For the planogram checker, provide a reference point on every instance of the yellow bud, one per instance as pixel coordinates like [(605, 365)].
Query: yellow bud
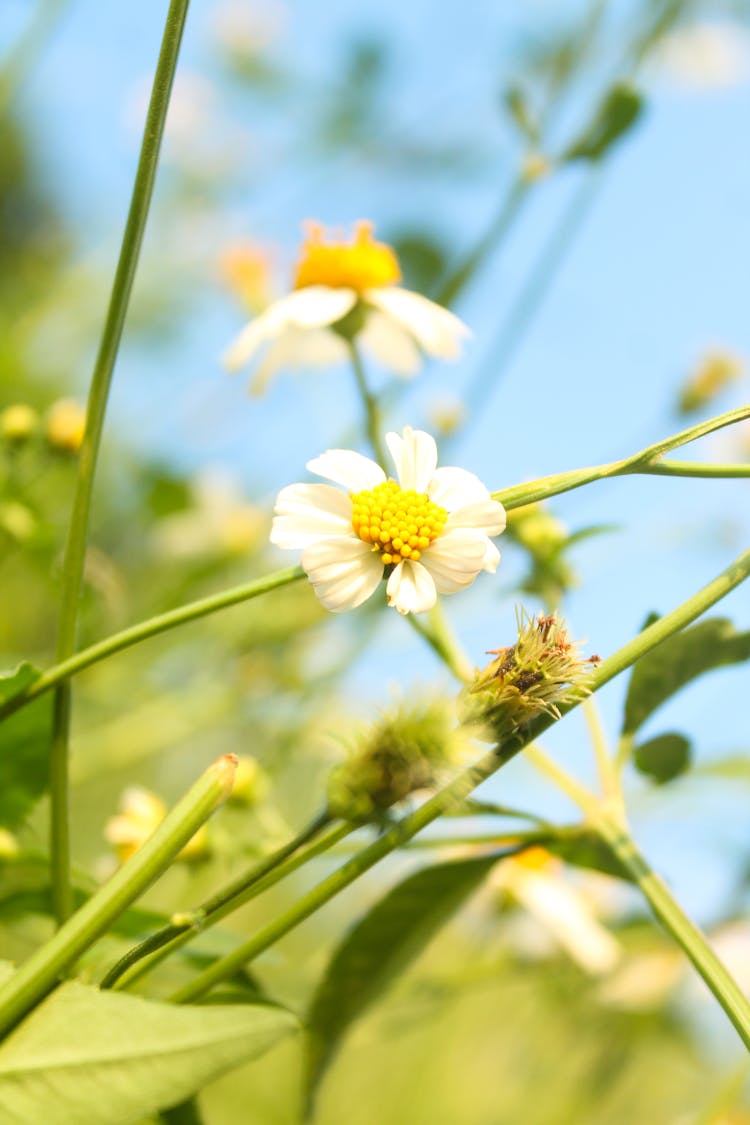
[(66, 424), (250, 782), (9, 848), (18, 423)]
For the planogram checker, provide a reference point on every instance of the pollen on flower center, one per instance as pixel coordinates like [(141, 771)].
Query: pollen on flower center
[(360, 264), (400, 524)]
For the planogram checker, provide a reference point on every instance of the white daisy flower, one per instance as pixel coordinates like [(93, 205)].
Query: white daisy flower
[(352, 282), (428, 532)]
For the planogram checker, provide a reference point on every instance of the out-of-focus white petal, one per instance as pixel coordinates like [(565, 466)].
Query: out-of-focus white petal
[(565, 915), (298, 347), (484, 515), (454, 488), (390, 344), (411, 588), (344, 572), (436, 330), (455, 559), (343, 466), (308, 512), (415, 457), (244, 347), (316, 306)]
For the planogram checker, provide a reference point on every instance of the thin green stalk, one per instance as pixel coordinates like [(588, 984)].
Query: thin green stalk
[(75, 550), (370, 402), (647, 461), (460, 788), (196, 919), (683, 930), (184, 614), (439, 638), (303, 856), (41, 972), (609, 776)]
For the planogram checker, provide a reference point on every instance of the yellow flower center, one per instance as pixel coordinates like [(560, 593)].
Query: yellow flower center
[(360, 264), (400, 524)]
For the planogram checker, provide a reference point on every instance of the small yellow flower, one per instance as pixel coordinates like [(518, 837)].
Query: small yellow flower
[(141, 813), (250, 782), (342, 290), (65, 426), (717, 370), (18, 423), (246, 268), (9, 848)]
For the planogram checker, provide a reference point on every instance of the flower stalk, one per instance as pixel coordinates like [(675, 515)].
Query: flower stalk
[(75, 550)]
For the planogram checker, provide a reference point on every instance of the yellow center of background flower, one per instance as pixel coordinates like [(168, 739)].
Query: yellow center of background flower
[(400, 524), (360, 264)]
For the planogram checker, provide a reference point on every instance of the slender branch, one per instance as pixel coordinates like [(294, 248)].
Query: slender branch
[(646, 461), (370, 402), (150, 628), (75, 550), (459, 789), (196, 919), (303, 856), (609, 776), (39, 974)]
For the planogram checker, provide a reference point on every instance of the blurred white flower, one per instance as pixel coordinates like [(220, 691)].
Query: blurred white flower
[(428, 532), (221, 521), (709, 54), (538, 883), (248, 29), (344, 290)]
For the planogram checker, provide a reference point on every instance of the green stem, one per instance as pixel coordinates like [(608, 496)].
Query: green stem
[(460, 788), (441, 641), (372, 409), (609, 776), (685, 932), (647, 461), (196, 919), (39, 974), (75, 550), (184, 614), (304, 855)]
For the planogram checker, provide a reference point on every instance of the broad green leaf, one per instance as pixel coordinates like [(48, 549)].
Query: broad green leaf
[(24, 748), (86, 1057), (663, 758), (583, 848), (381, 945), (677, 661), (616, 114)]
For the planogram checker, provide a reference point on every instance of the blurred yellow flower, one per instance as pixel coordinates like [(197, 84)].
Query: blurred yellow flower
[(247, 268), (9, 848), (65, 425), (18, 423), (344, 290), (250, 782), (713, 373), (141, 812)]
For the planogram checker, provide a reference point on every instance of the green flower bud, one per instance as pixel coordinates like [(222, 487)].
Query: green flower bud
[(542, 670), (404, 751)]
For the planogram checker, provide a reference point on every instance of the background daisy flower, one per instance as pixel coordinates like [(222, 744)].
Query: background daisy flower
[(344, 290), (428, 532)]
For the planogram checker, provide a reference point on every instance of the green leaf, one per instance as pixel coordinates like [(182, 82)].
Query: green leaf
[(106, 1058), (379, 948), (616, 114), (521, 113), (583, 848), (663, 758), (24, 748), (678, 660), (473, 807)]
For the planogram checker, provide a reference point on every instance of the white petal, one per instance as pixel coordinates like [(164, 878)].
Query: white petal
[(569, 919), (242, 350), (435, 329), (344, 572), (410, 588), (484, 515), (455, 559), (390, 344), (308, 512), (299, 347), (455, 488), (415, 457), (354, 471), (491, 557), (316, 306)]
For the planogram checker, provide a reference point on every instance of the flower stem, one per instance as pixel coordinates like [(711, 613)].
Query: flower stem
[(75, 550), (196, 919), (461, 786), (683, 930), (200, 922), (647, 461), (39, 974), (440, 639), (370, 402), (184, 614)]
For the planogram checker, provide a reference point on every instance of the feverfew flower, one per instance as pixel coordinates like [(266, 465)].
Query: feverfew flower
[(344, 290), (428, 532)]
